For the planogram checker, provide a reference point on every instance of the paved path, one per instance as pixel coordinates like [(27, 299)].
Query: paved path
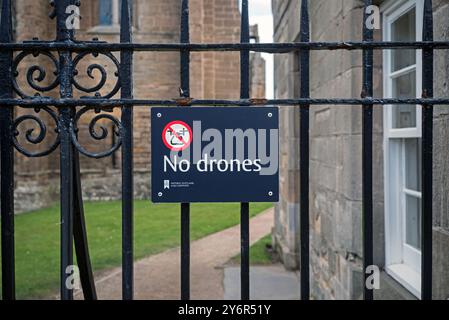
[(271, 282), (158, 276)]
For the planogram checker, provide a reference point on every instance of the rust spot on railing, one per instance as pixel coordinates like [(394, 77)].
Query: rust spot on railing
[(258, 101), (184, 102)]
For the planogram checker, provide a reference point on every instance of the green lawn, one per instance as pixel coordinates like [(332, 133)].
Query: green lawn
[(258, 254), (156, 228)]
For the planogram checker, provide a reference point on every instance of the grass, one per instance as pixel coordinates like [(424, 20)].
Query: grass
[(156, 228), (258, 254)]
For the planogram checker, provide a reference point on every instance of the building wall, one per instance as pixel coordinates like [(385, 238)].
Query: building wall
[(286, 80), (34, 185), (440, 164), (336, 155), (257, 68), (214, 75)]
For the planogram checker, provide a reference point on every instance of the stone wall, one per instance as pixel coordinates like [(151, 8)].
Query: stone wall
[(34, 186), (214, 75), (441, 152), (257, 68), (286, 80), (335, 155)]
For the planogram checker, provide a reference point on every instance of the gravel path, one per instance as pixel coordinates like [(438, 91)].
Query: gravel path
[(158, 276)]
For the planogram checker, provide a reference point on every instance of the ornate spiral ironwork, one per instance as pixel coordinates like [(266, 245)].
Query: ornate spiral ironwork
[(93, 131), (35, 74), (35, 138), (104, 75)]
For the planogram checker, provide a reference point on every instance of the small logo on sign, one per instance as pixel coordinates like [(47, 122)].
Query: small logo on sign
[(177, 135), (166, 184)]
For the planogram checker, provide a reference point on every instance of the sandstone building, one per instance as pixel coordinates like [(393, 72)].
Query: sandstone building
[(214, 75), (336, 153)]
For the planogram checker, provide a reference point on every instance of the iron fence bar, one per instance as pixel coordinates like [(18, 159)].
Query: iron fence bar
[(244, 252), (304, 152), (126, 81), (7, 160), (108, 103), (185, 251), (66, 150), (427, 157), (198, 47), (244, 206), (80, 235), (367, 155), (185, 207)]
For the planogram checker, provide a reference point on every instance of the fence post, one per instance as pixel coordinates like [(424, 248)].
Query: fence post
[(244, 207), (367, 155), (7, 158), (65, 34), (126, 80), (185, 207), (304, 62), (427, 156)]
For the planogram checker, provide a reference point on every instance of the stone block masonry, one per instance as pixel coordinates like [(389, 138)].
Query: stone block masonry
[(336, 154)]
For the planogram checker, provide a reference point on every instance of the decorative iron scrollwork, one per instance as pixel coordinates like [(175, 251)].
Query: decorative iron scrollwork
[(33, 138), (35, 74), (103, 75), (35, 82), (97, 132)]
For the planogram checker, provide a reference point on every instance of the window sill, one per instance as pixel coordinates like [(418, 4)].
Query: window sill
[(113, 29), (407, 277)]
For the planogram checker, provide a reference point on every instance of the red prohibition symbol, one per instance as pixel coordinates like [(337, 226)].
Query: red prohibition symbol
[(177, 135)]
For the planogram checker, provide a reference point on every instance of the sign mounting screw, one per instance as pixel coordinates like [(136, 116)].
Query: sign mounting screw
[(270, 115), (270, 193), (160, 194), (159, 115)]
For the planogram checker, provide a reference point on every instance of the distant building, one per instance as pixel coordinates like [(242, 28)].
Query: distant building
[(336, 154), (214, 75)]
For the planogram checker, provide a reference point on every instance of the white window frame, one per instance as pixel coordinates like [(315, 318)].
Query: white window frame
[(114, 27), (115, 13), (396, 250)]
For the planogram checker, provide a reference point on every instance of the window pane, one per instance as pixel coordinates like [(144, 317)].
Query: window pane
[(404, 116), (105, 12), (413, 222), (403, 29), (413, 164)]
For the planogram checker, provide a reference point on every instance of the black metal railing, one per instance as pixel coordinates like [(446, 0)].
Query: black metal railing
[(69, 110)]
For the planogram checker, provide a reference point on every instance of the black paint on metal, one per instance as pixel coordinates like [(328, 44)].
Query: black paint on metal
[(427, 156), (101, 103), (185, 207), (244, 207), (244, 251), (126, 80), (185, 251), (304, 65), (66, 151), (7, 159), (89, 46), (80, 236), (367, 156)]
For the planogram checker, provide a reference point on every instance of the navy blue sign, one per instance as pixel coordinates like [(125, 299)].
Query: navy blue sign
[(215, 154)]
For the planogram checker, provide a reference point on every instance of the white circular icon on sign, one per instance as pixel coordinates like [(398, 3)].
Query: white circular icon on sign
[(177, 135)]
